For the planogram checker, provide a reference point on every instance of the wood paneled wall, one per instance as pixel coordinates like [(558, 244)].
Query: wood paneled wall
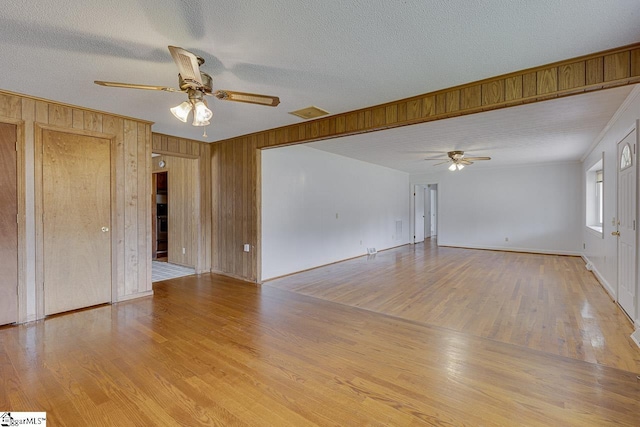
[(236, 208), (132, 166), (184, 208), (180, 148), (236, 161)]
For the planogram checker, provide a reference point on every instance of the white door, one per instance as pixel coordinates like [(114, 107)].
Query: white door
[(627, 224), (427, 212), (418, 195)]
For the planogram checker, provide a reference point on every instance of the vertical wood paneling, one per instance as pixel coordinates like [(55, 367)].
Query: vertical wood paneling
[(452, 101), (414, 109), (27, 245), (471, 97), (513, 88), (37, 115), (493, 92), (77, 118), (547, 80), (143, 211), (571, 75), (617, 66), (131, 205), (199, 246), (529, 85), (441, 103), (114, 126), (391, 114), (60, 116), (10, 106), (635, 63), (428, 106), (594, 73)]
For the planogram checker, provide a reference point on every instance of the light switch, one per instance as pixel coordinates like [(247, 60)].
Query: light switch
[(246, 247)]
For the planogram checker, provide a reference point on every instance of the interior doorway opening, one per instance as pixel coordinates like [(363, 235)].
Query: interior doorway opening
[(160, 223)]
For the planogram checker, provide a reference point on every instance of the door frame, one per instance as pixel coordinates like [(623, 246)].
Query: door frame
[(412, 209), (38, 193), (418, 188), (22, 233)]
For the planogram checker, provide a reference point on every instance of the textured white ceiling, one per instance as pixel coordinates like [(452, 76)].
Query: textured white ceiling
[(560, 130), (338, 55)]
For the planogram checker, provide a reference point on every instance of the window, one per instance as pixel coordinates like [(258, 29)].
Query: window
[(599, 198), (595, 197), (625, 157)]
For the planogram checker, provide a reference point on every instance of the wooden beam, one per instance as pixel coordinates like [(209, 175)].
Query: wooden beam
[(598, 71)]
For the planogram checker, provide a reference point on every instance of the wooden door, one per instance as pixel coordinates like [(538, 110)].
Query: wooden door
[(76, 200), (8, 225), (627, 224)]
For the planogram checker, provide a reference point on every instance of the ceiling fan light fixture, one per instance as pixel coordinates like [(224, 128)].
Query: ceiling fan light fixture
[(459, 166), (452, 167), (201, 114), (181, 112)]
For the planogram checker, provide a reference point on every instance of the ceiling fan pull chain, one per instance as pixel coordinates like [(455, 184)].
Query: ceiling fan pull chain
[(204, 133)]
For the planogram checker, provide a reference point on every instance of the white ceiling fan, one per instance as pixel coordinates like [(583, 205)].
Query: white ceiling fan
[(458, 160), (196, 84)]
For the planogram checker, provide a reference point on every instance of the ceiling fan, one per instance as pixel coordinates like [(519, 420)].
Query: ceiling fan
[(458, 160), (196, 84)]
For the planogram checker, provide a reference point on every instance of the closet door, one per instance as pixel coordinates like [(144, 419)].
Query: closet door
[(8, 225), (76, 201)]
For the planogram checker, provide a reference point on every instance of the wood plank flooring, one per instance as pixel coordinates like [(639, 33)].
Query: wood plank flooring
[(543, 302), (209, 350)]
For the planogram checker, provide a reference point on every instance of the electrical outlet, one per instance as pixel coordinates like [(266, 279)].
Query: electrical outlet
[(184, 251), (246, 247)]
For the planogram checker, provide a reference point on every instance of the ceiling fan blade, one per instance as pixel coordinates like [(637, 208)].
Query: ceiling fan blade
[(251, 98), (136, 86), (465, 162), (188, 66), (442, 163), (477, 158), (436, 158)]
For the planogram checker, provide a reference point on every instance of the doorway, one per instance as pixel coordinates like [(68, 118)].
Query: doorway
[(433, 210), (626, 231), (419, 216), (160, 222), (8, 224)]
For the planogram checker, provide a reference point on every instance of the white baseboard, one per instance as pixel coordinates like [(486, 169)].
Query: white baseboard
[(511, 249), (635, 336), (605, 284)]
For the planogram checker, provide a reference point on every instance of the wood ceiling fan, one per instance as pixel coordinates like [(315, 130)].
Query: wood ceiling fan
[(196, 84), (458, 160)]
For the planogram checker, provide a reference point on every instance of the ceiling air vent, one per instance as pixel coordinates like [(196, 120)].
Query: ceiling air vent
[(311, 112)]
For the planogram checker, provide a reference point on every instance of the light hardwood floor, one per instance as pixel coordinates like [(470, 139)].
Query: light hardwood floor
[(543, 302), (210, 350)]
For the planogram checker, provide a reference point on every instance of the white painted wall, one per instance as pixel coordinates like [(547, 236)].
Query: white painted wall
[(537, 207), (303, 189), (601, 250)]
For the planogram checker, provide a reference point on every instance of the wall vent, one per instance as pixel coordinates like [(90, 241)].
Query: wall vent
[(311, 112), (371, 251)]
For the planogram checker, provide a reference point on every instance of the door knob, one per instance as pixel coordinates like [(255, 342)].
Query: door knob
[(615, 233), (105, 229)]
